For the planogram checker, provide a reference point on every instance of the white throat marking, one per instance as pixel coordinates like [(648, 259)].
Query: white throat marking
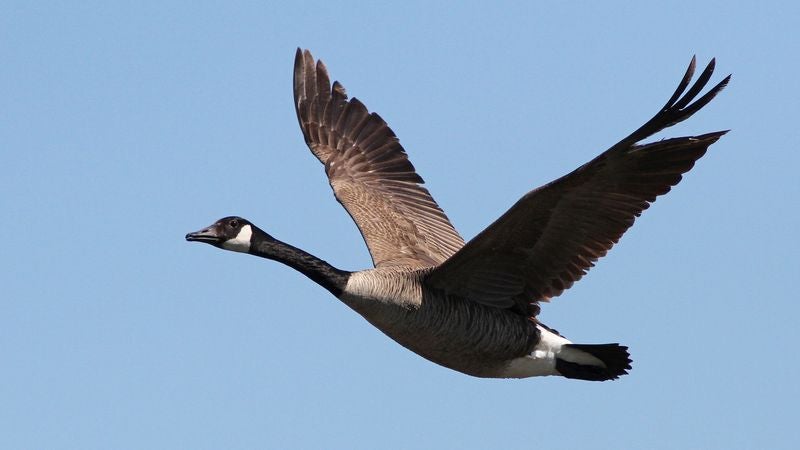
[(241, 243)]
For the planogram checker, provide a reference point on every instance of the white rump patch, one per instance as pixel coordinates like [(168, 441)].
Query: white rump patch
[(542, 361), (241, 243)]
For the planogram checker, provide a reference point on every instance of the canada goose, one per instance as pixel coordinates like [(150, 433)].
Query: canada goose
[(473, 307)]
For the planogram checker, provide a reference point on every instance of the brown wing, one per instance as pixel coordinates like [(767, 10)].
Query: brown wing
[(554, 234), (370, 173)]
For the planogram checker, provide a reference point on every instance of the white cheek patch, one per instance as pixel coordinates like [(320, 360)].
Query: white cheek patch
[(241, 243)]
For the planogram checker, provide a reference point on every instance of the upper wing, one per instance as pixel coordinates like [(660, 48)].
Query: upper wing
[(554, 234), (370, 173)]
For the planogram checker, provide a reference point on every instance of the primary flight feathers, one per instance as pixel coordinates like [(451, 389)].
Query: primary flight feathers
[(370, 173)]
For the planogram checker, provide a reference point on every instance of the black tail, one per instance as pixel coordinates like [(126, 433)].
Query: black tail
[(615, 357)]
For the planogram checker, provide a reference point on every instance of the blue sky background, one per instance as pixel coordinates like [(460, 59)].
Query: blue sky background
[(125, 125)]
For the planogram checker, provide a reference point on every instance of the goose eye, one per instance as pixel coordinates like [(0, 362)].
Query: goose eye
[(233, 223)]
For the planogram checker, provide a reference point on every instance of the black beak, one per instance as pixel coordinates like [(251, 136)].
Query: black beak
[(208, 235)]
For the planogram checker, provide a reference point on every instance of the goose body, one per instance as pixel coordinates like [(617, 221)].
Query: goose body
[(466, 336), (473, 307)]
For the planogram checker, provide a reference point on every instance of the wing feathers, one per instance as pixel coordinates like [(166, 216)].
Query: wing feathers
[(554, 234), (541, 246), (678, 108), (370, 173)]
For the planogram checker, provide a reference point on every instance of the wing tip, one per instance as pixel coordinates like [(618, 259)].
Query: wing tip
[(337, 88), (682, 104)]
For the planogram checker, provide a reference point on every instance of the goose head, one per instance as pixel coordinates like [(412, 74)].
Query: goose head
[(229, 233)]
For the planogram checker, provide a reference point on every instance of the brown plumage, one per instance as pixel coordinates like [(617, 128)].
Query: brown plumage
[(472, 307), (554, 234), (370, 173)]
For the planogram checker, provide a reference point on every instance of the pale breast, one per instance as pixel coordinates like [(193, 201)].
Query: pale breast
[(462, 335)]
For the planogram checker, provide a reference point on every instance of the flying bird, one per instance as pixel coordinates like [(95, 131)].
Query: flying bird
[(473, 307)]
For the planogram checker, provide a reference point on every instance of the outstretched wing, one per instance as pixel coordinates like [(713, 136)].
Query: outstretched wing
[(552, 236), (370, 173)]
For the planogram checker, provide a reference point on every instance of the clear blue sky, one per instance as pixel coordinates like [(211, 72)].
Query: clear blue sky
[(124, 126)]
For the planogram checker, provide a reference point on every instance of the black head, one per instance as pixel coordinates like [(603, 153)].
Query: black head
[(230, 233)]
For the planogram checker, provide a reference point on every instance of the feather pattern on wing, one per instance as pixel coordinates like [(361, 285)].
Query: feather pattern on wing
[(552, 236), (370, 173)]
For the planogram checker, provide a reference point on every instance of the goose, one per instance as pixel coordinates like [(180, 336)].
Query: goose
[(473, 307)]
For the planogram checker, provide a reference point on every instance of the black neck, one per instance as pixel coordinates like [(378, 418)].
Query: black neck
[(324, 274)]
